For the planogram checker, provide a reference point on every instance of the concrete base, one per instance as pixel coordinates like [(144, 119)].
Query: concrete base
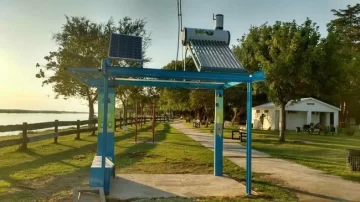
[(137, 186)]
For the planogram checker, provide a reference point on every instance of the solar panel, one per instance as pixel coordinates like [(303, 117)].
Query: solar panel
[(125, 47), (214, 56)]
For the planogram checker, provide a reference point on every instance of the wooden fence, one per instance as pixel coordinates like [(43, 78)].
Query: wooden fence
[(25, 127)]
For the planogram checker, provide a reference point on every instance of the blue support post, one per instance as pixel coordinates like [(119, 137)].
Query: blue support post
[(218, 132), (102, 166), (248, 138), (106, 97), (109, 152)]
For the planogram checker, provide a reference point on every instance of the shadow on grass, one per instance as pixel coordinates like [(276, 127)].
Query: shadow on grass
[(30, 189), (184, 144), (23, 186), (297, 191), (140, 150)]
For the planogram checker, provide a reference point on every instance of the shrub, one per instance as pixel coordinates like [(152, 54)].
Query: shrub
[(349, 131)]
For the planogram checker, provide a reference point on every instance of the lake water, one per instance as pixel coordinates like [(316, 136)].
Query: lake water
[(18, 118)]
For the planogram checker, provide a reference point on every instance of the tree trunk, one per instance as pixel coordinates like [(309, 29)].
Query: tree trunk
[(234, 117), (237, 114), (91, 110), (282, 123), (91, 115), (125, 112)]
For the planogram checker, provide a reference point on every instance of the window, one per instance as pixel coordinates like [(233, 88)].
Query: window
[(292, 112), (266, 111), (310, 103), (257, 111)]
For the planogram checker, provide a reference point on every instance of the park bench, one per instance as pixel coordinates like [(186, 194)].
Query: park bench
[(241, 133)]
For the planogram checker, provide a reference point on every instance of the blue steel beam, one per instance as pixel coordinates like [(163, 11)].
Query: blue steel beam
[(255, 77), (231, 84), (156, 83), (258, 76), (169, 83), (180, 75), (167, 74)]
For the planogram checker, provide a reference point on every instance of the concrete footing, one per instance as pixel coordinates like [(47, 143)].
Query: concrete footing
[(138, 186)]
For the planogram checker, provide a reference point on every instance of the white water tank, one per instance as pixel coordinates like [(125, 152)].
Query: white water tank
[(204, 35)]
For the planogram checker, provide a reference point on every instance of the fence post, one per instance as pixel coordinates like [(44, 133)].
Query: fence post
[(121, 119), (24, 137), (77, 130), (56, 130), (115, 124)]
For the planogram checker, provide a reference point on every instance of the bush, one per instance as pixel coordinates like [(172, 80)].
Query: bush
[(349, 131)]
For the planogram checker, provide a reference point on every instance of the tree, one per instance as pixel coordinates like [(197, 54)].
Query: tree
[(344, 36), (235, 99), (176, 99), (285, 52), (82, 43), (203, 101), (347, 24)]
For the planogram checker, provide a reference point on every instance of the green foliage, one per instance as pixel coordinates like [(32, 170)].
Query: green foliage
[(347, 24), (132, 94), (349, 131), (285, 52), (83, 43), (202, 99), (345, 36), (176, 98)]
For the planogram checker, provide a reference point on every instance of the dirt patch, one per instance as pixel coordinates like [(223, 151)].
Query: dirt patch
[(140, 155), (273, 179), (57, 188), (298, 142), (79, 157)]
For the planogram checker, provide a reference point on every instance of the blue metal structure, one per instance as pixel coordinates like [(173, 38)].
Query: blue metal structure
[(218, 132), (109, 76)]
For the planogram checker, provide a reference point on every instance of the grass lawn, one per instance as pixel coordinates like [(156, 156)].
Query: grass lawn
[(48, 171), (322, 152)]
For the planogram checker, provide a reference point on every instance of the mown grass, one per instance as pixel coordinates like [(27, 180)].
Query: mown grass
[(48, 171), (322, 152)]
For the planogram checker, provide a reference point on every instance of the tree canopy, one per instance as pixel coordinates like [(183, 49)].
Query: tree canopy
[(344, 37), (285, 52), (83, 43)]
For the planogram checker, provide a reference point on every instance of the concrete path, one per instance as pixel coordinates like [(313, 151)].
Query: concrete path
[(309, 184), (140, 186)]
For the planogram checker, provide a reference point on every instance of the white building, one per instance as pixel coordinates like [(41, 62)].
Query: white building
[(306, 111)]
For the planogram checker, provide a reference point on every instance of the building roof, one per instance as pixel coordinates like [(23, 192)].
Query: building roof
[(266, 105), (316, 100), (272, 105)]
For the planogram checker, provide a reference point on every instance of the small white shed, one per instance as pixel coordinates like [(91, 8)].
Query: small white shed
[(306, 111)]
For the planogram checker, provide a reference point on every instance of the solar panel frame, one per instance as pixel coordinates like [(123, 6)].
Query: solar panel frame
[(214, 56), (125, 47)]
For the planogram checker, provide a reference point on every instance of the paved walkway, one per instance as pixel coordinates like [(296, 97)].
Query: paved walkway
[(309, 184)]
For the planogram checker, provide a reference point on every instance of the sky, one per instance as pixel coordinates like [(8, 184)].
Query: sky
[(27, 26)]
